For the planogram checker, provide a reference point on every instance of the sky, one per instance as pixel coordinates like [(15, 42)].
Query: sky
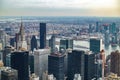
[(60, 8)]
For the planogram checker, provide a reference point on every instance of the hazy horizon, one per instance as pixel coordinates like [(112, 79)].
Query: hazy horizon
[(108, 8)]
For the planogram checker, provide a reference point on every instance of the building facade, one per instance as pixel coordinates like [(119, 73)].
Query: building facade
[(19, 61), (41, 61), (56, 65), (115, 60), (9, 74), (42, 35), (95, 45)]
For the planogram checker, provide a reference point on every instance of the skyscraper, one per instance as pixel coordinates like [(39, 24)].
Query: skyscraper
[(12, 42), (66, 43), (7, 50), (102, 57), (114, 39), (115, 60), (41, 61), (89, 67), (42, 35), (113, 28), (31, 62), (107, 38), (75, 64), (34, 43), (56, 65), (19, 61), (81, 62), (52, 43), (95, 45), (97, 27), (9, 74), (20, 39)]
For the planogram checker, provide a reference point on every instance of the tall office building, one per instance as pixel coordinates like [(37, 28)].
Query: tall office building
[(19, 61), (102, 57), (34, 44), (31, 62), (89, 67), (41, 61), (112, 28), (114, 39), (97, 27), (95, 45), (2, 38), (81, 62), (42, 35), (52, 43), (66, 43), (115, 60), (12, 42), (20, 39), (9, 74), (90, 28), (107, 38), (7, 50), (56, 65), (75, 64)]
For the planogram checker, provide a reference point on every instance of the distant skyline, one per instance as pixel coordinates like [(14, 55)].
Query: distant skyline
[(60, 8)]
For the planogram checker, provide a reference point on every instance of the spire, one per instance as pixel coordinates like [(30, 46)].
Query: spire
[(53, 31), (21, 32), (53, 41)]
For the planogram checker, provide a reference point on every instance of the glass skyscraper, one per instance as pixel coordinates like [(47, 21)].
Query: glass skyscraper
[(42, 35), (56, 65), (19, 61)]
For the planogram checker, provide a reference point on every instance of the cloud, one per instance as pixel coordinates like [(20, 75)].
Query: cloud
[(61, 3), (58, 7)]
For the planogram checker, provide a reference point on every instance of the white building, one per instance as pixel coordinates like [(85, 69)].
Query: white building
[(48, 77), (41, 61), (21, 42), (51, 77), (34, 77), (77, 77)]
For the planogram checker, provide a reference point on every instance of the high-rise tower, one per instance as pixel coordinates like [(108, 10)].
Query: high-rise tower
[(95, 45), (115, 60), (42, 35), (19, 61), (52, 42), (56, 65), (20, 39)]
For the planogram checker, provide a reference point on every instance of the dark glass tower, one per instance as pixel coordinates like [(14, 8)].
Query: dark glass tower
[(19, 61), (89, 69), (7, 50), (31, 63), (34, 43), (52, 43), (42, 35), (97, 27), (81, 62), (66, 43), (95, 45), (75, 64), (56, 65), (12, 42)]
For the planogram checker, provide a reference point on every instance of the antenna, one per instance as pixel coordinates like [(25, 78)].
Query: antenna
[(21, 21), (53, 29)]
